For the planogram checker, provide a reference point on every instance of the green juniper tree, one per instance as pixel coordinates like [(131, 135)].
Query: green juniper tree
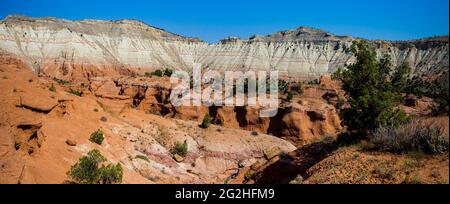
[(372, 97)]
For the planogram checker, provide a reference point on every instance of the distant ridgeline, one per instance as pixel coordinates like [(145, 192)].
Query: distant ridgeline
[(72, 49)]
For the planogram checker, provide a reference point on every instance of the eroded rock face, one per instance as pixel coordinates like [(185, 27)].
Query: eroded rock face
[(307, 118), (81, 49), (40, 146)]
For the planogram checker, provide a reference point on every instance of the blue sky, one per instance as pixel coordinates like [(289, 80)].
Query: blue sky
[(214, 20)]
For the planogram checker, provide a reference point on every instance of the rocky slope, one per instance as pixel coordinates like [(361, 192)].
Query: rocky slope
[(44, 132), (76, 49)]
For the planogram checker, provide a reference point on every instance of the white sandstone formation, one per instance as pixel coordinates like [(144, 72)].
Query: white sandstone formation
[(69, 49)]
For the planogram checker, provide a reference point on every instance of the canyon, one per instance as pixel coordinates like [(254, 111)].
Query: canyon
[(62, 80)]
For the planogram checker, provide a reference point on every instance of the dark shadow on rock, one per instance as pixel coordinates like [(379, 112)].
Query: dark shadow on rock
[(295, 163)]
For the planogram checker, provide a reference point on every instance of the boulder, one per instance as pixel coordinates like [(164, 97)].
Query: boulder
[(272, 152), (71, 142), (178, 158), (35, 103)]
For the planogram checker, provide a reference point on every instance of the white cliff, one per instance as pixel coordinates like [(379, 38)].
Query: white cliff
[(67, 48)]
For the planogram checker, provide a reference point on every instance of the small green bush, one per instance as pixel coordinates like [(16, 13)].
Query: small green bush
[(206, 121), (438, 90), (168, 72), (87, 171), (61, 81), (289, 96), (157, 72), (429, 139), (52, 88), (249, 175), (110, 174), (282, 86), (142, 157), (97, 137), (75, 92), (180, 148)]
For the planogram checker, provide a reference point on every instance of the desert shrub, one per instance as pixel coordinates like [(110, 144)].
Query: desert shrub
[(372, 99), (282, 86), (74, 92), (289, 96), (439, 91), (206, 121), (442, 107), (312, 82), (168, 72), (110, 174), (249, 175), (157, 72), (97, 137), (412, 180), (52, 88), (180, 148), (429, 139), (420, 87), (298, 88), (61, 81), (142, 157), (87, 170)]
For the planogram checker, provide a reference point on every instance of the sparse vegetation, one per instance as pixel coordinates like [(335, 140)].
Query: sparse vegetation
[(282, 86), (74, 92), (384, 173), (289, 96), (168, 72), (61, 81), (142, 157), (52, 88), (412, 180), (180, 148), (429, 139), (297, 88), (439, 91), (97, 137), (312, 82), (249, 175), (87, 170), (159, 73), (206, 121)]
